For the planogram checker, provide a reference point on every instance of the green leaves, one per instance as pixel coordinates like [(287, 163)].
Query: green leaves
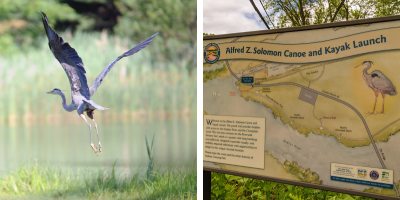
[(174, 19), (224, 186), (287, 13), (20, 22)]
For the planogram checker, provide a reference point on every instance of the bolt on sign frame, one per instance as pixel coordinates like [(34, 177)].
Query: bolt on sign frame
[(315, 106)]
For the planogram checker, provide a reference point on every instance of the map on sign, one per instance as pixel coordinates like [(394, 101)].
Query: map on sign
[(329, 99)]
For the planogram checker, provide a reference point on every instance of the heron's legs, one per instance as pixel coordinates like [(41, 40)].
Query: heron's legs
[(90, 132), (97, 133), (376, 97), (383, 103)]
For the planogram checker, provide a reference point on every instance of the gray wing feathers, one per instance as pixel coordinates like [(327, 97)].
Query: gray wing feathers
[(51, 34), (383, 83), (71, 55), (139, 46), (69, 59), (130, 52)]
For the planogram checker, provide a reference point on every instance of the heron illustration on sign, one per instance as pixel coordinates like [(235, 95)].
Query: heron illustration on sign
[(379, 83), (74, 68)]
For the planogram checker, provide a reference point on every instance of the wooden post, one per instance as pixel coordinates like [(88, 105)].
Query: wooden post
[(206, 185)]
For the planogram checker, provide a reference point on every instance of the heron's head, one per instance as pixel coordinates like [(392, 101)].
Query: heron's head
[(367, 63), (55, 91)]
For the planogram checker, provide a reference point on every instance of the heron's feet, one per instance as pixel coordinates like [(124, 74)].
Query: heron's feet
[(99, 147), (375, 113), (94, 148)]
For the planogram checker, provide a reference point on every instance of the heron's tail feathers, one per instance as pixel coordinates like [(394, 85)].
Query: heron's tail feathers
[(95, 105)]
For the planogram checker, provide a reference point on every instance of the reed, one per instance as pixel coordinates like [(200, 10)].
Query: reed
[(52, 183)]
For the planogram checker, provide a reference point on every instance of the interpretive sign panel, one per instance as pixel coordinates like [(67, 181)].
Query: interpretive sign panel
[(323, 102), (234, 140)]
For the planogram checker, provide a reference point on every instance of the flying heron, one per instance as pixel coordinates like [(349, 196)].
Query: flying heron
[(379, 83), (74, 68)]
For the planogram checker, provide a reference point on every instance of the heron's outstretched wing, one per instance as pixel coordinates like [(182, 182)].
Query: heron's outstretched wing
[(69, 59), (130, 52)]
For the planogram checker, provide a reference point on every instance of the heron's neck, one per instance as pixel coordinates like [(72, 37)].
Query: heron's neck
[(66, 107), (365, 71)]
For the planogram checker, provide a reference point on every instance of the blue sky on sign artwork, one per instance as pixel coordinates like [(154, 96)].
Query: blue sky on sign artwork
[(220, 17)]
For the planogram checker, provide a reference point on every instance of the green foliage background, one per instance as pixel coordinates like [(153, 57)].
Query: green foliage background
[(175, 20), (20, 22), (159, 80), (289, 13)]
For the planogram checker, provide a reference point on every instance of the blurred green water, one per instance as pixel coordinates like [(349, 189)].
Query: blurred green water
[(67, 147)]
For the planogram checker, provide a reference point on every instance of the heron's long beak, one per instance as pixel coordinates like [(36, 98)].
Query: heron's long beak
[(357, 66), (49, 92)]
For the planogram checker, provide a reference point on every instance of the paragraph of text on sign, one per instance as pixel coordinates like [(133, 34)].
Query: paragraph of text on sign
[(234, 140)]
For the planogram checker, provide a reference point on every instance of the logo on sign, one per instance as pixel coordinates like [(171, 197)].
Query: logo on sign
[(362, 173), (385, 175), (211, 53), (374, 175)]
